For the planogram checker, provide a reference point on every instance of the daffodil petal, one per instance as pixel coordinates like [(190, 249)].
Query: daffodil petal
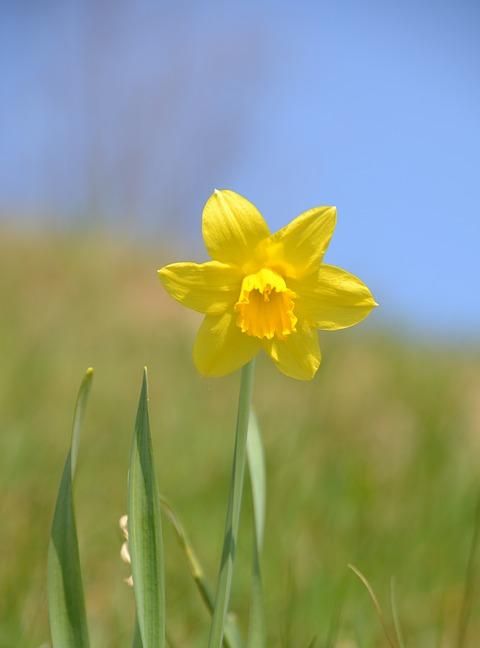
[(210, 287), (299, 247), (232, 227), (332, 299), (298, 355), (221, 347)]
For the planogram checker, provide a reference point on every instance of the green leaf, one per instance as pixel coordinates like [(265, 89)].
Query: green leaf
[(224, 583), (256, 466), (137, 639), (66, 605), (145, 532), (232, 638)]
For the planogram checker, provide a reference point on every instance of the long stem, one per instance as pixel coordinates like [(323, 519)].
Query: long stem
[(224, 582)]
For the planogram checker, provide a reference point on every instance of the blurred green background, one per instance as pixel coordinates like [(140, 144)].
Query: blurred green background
[(117, 120), (374, 462)]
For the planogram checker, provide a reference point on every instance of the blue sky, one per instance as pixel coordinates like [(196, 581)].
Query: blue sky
[(373, 107)]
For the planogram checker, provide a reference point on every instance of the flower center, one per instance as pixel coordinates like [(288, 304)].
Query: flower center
[(265, 306)]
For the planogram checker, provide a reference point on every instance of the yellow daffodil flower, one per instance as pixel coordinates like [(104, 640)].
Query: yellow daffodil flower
[(265, 291)]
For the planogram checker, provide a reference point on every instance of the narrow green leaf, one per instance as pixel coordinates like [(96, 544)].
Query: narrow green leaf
[(137, 639), (232, 638), (256, 466), (145, 532), (66, 605), (224, 583)]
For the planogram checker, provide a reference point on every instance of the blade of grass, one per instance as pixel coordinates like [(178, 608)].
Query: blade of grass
[(256, 466), (232, 638), (313, 643), (376, 604), (469, 582), (66, 604), (145, 531), (395, 616), (224, 583)]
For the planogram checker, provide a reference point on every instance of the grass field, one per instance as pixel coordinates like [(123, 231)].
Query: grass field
[(376, 462)]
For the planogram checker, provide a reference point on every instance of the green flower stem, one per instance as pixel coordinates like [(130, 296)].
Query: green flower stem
[(224, 583)]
